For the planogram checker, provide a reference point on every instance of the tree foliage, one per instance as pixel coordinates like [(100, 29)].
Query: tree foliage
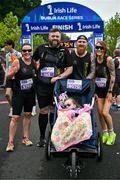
[(112, 31), (20, 8), (9, 29), (37, 40)]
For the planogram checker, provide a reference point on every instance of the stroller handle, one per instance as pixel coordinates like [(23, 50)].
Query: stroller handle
[(93, 101)]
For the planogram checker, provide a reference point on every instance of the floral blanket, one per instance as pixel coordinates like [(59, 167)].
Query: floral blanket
[(69, 129)]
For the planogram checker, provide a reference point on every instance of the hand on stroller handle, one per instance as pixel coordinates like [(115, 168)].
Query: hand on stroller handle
[(93, 101)]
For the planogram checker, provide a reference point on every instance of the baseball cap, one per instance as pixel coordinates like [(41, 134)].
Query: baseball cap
[(82, 37)]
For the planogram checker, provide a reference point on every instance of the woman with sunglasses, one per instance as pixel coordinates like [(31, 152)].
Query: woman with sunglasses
[(104, 83), (23, 71)]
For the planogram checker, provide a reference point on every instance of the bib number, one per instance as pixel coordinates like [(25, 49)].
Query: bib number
[(26, 84), (74, 84), (48, 72), (101, 82)]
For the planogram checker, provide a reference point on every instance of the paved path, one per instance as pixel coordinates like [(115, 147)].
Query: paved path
[(30, 162)]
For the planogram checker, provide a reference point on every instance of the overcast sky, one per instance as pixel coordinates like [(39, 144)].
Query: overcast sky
[(104, 8)]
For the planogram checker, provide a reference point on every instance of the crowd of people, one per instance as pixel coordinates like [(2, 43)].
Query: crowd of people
[(33, 75)]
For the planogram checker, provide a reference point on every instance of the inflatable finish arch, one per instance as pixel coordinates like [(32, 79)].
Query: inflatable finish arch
[(68, 17)]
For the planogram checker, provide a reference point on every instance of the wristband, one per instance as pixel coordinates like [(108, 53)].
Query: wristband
[(109, 91)]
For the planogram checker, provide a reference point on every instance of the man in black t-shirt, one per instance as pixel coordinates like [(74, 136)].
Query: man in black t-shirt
[(83, 61), (54, 63)]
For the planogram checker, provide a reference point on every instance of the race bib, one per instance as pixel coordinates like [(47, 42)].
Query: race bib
[(101, 82), (26, 84), (48, 72), (74, 84)]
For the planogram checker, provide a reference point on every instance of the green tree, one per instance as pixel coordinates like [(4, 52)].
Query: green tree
[(37, 40), (9, 29), (112, 31), (20, 8)]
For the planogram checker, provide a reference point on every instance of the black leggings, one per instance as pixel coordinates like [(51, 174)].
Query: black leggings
[(43, 121)]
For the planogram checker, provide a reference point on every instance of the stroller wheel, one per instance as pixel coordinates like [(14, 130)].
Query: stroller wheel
[(99, 148), (48, 149), (73, 170)]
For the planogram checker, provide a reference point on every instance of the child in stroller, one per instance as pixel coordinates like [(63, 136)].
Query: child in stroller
[(69, 125), (73, 124), (65, 101)]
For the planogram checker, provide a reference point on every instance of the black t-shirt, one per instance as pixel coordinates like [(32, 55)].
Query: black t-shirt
[(81, 66), (58, 58), (62, 53)]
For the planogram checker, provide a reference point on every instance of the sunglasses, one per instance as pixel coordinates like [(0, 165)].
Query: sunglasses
[(25, 50), (99, 47)]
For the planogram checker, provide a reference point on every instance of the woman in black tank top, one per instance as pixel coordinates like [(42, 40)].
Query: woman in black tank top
[(104, 82), (23, 72)]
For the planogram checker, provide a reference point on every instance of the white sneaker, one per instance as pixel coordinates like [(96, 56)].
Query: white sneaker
[(34, 111), (118, 106), (10, 113)]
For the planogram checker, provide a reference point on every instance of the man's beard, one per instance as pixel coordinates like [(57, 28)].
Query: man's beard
[(81, 51), (54, 44)]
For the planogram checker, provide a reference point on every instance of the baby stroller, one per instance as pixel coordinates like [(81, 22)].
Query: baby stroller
[(82, 91)]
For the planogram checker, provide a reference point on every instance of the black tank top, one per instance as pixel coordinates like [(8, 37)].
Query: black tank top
[(24, 78), (102, 72)]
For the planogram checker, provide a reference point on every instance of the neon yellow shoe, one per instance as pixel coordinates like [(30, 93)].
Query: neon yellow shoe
[(104, 137), (111, 139), (10, 147), (27, 142)]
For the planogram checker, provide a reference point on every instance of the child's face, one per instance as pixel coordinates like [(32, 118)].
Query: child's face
[(69, 103)]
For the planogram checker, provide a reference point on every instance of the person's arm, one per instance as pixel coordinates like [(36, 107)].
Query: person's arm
[(63, 75), (91, 75), (66, 73), (111, 66), (69, 65), (36, 64), (13, 69), (37, 55), (67, 70)]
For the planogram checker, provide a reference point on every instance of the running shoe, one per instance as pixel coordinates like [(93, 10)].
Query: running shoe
[(111, 139), (104, 137), (118, 107), (27, 142), (41, 143), (10, 147)]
